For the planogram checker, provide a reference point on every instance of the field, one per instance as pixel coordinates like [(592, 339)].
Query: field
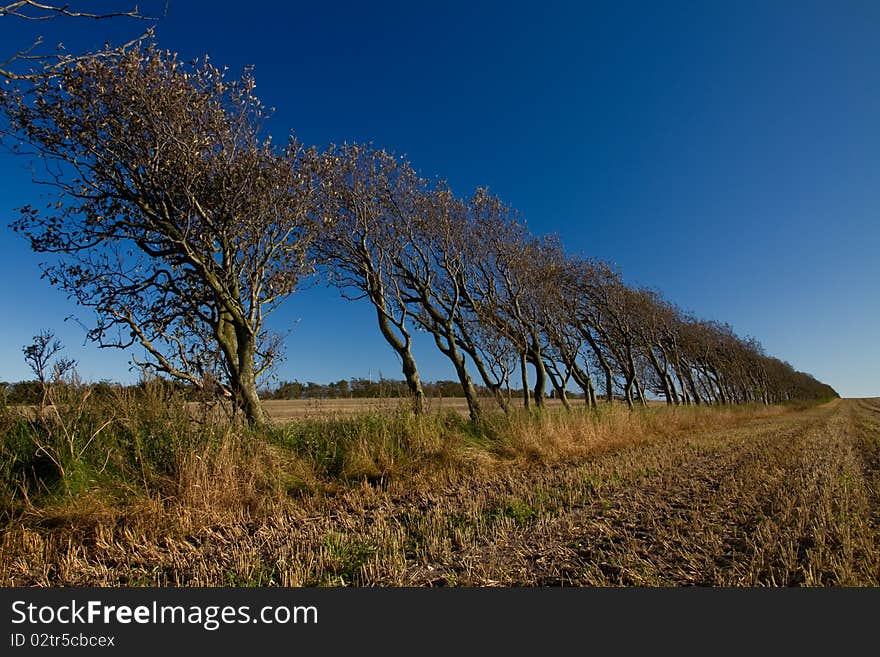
[(778, 496), (284, 410)]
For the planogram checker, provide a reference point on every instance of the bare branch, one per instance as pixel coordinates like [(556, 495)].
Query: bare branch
[(31, 11)]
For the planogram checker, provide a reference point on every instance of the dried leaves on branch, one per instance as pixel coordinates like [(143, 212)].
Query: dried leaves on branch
[(31, 60)]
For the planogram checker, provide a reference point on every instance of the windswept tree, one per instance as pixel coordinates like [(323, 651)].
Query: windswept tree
[(173, 218), (368, 198), (502, 258), (587, 286), (567, 349), (430, 275), (654, 326)]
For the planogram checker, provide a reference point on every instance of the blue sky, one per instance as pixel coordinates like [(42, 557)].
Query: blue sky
[(727, 154)]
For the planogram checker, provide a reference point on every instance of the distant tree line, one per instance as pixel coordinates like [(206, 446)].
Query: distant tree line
[(362, 389), (33, 392), (181, 225)]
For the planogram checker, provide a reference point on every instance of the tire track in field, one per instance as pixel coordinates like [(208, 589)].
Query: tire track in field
[(782, 504)]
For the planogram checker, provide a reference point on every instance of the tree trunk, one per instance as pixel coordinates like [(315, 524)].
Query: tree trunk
[(244, 393), (706, 387), (470, 393), (498, 393), (558, 388), (403, 349), (540, 378), (661, 374), (643, 400), (689, 377), (583, 379), (722, 395), (672, 389), (450, 350), (627, 392), (413, 381), (524, 374), (685, 396), (492, 385), (603, 363), (635, 378), (239, 350), (710, 392), (563, 397)]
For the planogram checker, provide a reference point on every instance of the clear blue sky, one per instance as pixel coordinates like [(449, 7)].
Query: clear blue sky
[(725, 153)]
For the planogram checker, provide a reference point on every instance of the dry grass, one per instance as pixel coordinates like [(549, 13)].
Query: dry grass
[(767, 496)]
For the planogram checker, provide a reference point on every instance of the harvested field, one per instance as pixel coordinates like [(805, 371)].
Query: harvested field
[(772, 497), (284, 410)]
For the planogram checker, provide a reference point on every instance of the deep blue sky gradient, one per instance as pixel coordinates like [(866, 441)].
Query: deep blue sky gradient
[(725, 153)]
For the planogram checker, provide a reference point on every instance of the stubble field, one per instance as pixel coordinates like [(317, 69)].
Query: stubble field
[(731, 497), (292, 409)]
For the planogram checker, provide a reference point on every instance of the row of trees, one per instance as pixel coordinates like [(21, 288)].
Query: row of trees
[(182, 226), (503, 303)]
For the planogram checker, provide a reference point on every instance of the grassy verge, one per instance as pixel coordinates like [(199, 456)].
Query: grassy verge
[(119, 450)]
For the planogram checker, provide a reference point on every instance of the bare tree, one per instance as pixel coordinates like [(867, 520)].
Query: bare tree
[(367, 201), (430, 277), (42, 356), (174, 220), (653, 326), (499, 295), (567, 350)]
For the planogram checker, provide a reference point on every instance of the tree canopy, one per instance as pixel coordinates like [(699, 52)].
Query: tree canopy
[(174, 218)]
